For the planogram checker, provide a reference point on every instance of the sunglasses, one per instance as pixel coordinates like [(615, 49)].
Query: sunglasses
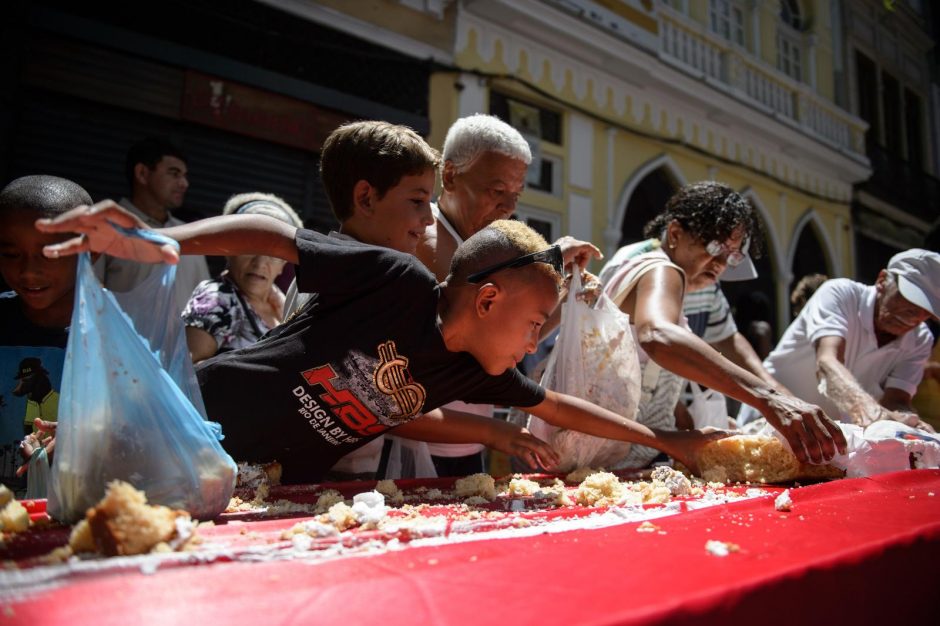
[(552, 256), (734, 257)]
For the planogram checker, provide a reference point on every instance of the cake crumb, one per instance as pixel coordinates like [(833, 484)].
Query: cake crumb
[(720, 548)]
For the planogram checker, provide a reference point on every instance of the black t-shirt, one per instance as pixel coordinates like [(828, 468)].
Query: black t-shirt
[(364, 355)]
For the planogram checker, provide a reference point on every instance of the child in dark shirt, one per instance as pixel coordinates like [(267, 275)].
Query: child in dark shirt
[(380, 343), (35, 315)]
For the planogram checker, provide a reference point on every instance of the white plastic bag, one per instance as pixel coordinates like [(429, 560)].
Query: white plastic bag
[(594, 359), (708, 407), (887, 446)]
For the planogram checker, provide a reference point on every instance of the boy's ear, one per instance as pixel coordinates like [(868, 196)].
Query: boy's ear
[(447, 176), (362, 198), (486, 299)]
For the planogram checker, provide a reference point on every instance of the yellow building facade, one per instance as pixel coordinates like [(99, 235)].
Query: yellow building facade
[(644, 89), (623, 101)]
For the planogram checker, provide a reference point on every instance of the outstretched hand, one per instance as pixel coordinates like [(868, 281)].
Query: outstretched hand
[(96, 230), (813, 436), (685, 446), (517, 441), (574, 251)]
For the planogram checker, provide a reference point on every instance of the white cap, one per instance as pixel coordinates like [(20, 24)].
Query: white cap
[(744, 270), (918, 273)]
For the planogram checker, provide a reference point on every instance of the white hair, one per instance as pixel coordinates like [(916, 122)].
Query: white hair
[(471, 136), (262, 204)]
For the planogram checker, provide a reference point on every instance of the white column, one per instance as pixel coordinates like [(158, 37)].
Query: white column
[(612, 232), (472, 98), (579, 216), (580, 151)]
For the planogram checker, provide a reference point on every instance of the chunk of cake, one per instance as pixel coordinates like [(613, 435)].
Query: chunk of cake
[(757, 459), (481, 485), (122, 523)]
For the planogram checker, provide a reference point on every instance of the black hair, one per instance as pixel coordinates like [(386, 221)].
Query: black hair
[(149, 151), (709, 211), (47, 195)]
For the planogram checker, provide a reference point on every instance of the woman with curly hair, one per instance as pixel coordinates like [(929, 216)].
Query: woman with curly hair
[(705, 228)]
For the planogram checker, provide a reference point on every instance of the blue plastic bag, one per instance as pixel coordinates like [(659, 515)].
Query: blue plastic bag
[(130, 407)]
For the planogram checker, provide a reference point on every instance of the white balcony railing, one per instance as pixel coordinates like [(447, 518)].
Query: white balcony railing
[(690, 47)]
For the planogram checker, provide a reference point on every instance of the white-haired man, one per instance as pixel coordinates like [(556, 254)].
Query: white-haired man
[(858, 351), (483, 175)]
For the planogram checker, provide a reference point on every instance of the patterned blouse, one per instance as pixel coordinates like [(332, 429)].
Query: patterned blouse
[(218, 308)]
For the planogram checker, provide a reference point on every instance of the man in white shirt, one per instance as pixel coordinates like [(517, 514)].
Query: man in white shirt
[(157, 177), (859, 351)]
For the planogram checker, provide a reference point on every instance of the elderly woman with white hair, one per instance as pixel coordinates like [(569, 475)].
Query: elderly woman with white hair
[(243, 303)]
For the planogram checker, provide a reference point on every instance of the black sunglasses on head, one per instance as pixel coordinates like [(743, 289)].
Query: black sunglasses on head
[(552, 256)]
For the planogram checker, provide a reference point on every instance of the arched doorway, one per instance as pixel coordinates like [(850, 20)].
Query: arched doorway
[(647, 200), (757, 299), (810, 254)]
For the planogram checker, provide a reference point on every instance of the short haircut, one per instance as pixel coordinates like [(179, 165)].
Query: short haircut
[(377, 152), (48, 196), (500, 241), (257, 203), (149, 151), (804, 290), (471, 136), (710, 211)]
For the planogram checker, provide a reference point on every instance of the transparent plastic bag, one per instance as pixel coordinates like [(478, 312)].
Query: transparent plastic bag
[(594, 359), (708, 407), (130, 407)]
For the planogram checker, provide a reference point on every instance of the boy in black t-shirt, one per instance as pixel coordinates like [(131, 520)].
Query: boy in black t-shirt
[(380, 343), (35, 315)]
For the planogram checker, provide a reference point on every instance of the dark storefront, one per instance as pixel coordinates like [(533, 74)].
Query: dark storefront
[(248, 92)]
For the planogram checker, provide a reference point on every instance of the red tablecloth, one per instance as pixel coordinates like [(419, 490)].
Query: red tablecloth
[(850, 552)]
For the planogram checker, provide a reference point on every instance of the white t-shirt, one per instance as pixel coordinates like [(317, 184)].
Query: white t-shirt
[(845, 308), (123, 275)]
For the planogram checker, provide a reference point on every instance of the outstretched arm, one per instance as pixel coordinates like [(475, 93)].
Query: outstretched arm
[(812, 435), (449, 426), (228, 235), (839, 385), (574, 413)]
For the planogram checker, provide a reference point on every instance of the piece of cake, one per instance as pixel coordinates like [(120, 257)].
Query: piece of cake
[(757, 459), (599, 489), (481, 485), (13, 517), (5, 495), (253, 476), (122, 523)]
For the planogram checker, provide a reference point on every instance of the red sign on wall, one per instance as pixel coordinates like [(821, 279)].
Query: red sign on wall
[(248, 111)]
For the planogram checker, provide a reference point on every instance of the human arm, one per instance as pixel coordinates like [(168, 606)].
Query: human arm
[(839, 385), (228, 235), (737, 349), (449, 426), (201, 344), (656, 304), (574, 413)]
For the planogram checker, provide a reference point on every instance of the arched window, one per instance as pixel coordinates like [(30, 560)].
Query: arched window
[(790, 14)]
